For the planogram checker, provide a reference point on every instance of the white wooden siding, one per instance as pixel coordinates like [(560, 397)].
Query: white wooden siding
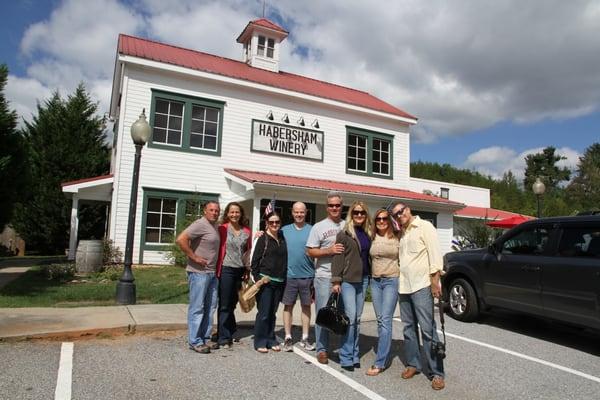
[(469, 195)]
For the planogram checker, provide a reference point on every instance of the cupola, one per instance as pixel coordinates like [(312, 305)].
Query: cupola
[(262, 39)]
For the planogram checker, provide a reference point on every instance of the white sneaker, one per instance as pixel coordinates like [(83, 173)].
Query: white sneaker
[(306, 345)]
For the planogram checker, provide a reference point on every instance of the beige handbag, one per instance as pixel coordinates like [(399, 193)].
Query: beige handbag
[(251, 291), (247, 303)]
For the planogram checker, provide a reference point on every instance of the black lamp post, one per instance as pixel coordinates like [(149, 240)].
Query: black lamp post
[(140, 133), (539, 189)]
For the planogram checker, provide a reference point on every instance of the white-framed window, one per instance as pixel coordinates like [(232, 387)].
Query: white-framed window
[(161, 217), (381, 157), (186, 123), (266, 47), (357, 153), (168, 122), (369, 153), (205, 127)]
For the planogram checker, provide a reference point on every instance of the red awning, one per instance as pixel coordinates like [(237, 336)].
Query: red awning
[(508, 222)]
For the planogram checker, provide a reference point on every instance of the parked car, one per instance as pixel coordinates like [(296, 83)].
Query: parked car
[(548, 267)]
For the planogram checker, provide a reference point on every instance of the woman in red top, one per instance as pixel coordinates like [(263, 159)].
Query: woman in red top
[(232, 268)]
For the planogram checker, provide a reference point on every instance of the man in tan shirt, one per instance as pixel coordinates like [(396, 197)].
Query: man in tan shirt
[(420, 269)]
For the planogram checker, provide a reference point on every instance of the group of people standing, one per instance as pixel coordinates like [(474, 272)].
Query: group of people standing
[(396, 253)]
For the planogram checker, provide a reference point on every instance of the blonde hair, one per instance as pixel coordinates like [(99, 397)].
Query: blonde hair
[(366, 226), (389, 233)]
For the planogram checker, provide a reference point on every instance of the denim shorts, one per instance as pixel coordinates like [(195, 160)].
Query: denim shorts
[(295, 287)]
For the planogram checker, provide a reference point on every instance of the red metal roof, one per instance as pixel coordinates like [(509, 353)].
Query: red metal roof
[(486, 213), (95, 178), (168, 54), (325, 184), (266, 24)]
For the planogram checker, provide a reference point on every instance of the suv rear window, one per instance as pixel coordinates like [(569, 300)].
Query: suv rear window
[(580, 242)]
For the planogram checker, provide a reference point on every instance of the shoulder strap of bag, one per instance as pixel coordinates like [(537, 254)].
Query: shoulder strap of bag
[(265, 248)]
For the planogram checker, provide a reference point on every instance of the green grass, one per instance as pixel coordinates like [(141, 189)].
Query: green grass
[(154, 285)]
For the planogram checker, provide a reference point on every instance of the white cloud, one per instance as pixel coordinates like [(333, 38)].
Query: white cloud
[(495, 160), (23, 94), (459, 66)]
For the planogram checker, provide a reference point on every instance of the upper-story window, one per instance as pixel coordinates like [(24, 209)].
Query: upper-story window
[(369, 153), (186, 123), (266, 47), (444, 193)]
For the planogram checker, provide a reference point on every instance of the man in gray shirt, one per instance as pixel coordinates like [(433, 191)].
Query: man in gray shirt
[(321, 245), (200, 243)]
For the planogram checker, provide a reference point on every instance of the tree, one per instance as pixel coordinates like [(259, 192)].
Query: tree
[(543, 165), (584, 190), (12, 156), (65, 142)]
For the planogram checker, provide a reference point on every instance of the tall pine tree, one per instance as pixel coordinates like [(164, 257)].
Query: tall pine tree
[(65, 142), (543, 165), (12, 156), (584, 190)]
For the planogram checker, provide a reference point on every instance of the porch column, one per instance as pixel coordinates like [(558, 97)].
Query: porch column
[(74, 227), (256, 213)]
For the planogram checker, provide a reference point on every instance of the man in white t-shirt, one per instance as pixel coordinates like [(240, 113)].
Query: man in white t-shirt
[(321, 246)]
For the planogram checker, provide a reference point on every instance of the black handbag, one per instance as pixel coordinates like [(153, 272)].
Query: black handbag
[(332, 318)]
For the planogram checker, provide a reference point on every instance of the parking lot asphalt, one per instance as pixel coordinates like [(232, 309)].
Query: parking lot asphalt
[(502, 356)]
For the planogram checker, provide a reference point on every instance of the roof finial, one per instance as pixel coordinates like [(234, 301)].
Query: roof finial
[(264, 5)]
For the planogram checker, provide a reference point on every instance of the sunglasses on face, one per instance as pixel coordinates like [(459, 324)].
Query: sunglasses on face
[(381, 219), (357, 212), (400, 212), (334, 205), (273, 223)]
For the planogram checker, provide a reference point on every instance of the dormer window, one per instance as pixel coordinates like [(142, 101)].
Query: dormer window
[(267, 44)]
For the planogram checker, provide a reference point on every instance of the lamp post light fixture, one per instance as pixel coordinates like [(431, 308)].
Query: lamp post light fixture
[(140, 133), (539, 189)]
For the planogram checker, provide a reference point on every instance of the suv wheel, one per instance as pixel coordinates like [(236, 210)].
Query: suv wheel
[(462, 300)]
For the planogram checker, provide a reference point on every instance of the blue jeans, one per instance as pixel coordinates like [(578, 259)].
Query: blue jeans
[(384, 292), (203, 303), (229, 285), (322, 292), (353, 296), (417, 308), (267, 302)]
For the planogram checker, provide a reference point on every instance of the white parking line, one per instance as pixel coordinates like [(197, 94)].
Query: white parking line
[(65, 372), (336, 374), (523, 356)]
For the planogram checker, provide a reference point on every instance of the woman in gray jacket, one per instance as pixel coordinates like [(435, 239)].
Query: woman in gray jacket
[(350, 276)]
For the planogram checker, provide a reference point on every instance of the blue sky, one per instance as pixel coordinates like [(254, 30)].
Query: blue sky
[(489, 84)]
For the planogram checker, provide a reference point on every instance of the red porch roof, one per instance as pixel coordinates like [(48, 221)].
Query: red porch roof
[(168, 54), (486, 213), (325, 184)]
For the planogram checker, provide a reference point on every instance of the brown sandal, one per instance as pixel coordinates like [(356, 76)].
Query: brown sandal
[(262, 350), (373, 370), (276, 348)]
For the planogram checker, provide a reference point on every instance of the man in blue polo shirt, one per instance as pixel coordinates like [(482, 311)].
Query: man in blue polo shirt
[(300, 274)]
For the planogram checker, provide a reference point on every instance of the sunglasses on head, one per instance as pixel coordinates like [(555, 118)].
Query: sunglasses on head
[(400, 212), (357, 212), (273, 222)]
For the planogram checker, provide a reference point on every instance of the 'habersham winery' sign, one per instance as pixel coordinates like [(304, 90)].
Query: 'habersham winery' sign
[(293, 141)]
